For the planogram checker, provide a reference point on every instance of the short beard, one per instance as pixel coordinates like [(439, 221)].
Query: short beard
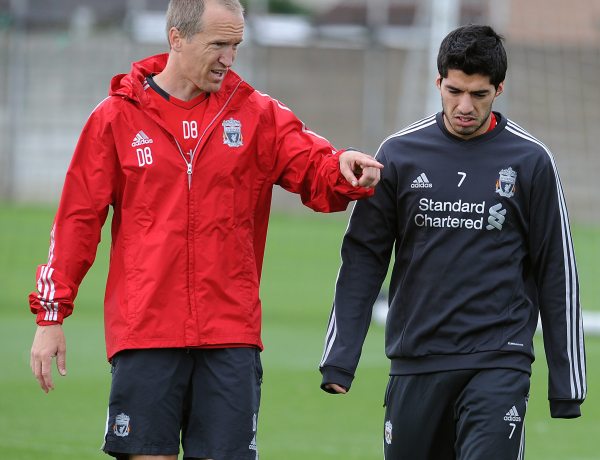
[(466, 131)]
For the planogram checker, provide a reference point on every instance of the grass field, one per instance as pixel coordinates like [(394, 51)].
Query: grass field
[(297, 419)]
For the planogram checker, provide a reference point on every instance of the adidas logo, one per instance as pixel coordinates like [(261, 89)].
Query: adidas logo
[(252, 445), (421, 182), (512, 415), (141, 138)]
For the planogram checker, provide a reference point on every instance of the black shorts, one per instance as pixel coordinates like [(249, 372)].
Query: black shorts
[(207, 399), (456, 415)]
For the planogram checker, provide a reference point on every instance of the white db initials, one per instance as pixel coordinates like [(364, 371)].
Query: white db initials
[(190, 130), (144, 156)]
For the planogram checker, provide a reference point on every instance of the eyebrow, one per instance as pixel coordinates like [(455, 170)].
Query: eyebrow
[(478, 91), (218, 41)]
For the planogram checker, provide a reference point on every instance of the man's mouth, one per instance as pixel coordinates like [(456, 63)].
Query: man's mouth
[(219, 73), (464, 120)]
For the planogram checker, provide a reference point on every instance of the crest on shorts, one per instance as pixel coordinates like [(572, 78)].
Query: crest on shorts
[(121, 427), (232, 133), (388, 432), (505, 185)]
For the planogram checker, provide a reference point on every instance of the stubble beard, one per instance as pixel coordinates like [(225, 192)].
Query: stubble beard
[(465, 131)]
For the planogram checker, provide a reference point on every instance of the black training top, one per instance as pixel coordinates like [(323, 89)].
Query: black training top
[(482, 247)]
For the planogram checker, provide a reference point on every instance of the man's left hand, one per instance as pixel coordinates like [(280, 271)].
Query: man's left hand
[(360, 169)]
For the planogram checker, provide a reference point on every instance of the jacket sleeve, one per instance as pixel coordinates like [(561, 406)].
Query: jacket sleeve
[(366, 252), (86, 196), (307, 164), (555, 272)]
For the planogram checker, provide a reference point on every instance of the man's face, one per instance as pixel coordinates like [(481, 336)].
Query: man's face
[(206, 57), (467, 102)]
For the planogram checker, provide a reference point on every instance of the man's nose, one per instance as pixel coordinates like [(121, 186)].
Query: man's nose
[(465, 104), (228, 56)]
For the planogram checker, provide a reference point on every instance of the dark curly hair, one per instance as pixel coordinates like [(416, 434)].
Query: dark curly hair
[(474, 49)]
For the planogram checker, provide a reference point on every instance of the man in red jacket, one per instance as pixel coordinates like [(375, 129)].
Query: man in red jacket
[(187, 154)]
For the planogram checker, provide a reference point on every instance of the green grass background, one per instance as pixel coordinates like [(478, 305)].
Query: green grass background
[(297, 419)]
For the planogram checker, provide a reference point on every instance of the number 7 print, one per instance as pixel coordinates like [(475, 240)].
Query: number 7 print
[(462, 178), (514, 425)]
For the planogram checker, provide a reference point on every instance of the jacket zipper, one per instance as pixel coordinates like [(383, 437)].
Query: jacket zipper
[(193, 154), (189, 163)]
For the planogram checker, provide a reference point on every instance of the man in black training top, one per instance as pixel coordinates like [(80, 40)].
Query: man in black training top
[(472, 208)]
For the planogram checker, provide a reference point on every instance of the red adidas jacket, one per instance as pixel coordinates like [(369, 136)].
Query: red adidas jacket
[(187, 237)]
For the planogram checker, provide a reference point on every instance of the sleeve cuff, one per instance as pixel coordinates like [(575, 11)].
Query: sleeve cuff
[(336, 375), (44, 318), (344, 187), (565, 408)]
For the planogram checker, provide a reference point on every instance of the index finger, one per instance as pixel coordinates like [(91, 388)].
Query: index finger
[(368, 162)]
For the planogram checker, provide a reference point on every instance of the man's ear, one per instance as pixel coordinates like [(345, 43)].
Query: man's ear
[(500, 89), (438, 81), (175, 39)]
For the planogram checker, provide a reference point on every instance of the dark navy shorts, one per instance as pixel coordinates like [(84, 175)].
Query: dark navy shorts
[(205, 399), (456, 415)]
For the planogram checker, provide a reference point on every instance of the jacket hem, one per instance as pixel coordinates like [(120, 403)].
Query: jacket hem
[(115, 348), (440, 363)]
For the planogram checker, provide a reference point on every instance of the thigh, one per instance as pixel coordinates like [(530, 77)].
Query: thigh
[(491, 415), (419, 417), (222, 410), (146, 401)]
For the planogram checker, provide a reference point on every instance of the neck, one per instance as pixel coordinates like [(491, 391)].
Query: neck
[(173, 83)]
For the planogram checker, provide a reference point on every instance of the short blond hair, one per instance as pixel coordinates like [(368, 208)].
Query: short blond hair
[(186, 15)]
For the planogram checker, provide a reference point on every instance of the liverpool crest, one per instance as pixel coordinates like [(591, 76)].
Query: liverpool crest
[(121, 427), (388, 432), (505, 185), (232, 133)]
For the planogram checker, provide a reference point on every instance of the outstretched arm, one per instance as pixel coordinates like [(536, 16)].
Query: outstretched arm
[(303, 162)]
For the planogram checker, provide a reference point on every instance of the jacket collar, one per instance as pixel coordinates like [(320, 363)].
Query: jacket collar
[(131, 85)]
